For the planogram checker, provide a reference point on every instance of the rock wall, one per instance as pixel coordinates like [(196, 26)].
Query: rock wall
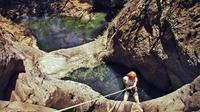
[(17, 32), (148, 35), (10, 65), (184, 99), (19, 10), (160, 39), (61, 94), (6, 106), (18, 51)]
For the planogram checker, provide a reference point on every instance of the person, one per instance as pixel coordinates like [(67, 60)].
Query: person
[(130, 82)]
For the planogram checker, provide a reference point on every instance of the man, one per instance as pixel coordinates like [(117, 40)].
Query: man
[(130, 82)]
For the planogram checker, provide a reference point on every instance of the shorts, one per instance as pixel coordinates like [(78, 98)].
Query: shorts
[(133, 92)]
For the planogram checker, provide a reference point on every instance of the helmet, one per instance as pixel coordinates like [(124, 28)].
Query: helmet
[(131, 75)]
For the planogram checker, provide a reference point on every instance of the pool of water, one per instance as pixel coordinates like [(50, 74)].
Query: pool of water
[(53, 33), (106, 79)]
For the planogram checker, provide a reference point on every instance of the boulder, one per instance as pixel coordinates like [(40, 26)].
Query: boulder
[(17, 32), (6, 106), (61, 94), (152, 37), (10, 65), (17, 55), (148, 35), (64, 61), (185, 99), (22, 10)]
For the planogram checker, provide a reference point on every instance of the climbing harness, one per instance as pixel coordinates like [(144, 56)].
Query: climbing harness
[(92, 100)]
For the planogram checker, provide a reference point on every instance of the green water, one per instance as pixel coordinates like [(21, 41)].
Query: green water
[(84, 25), (106, 79), (101, 78), (65, 32), (77, 24)]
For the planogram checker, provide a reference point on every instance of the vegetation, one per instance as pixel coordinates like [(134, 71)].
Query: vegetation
[(42, 25), (84, 74), (79, 27), (86, 25)]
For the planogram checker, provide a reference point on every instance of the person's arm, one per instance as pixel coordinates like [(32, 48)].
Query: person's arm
[(125, 80), (135, 84)]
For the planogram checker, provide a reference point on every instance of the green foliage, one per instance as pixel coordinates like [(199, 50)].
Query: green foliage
[(84, 74), (86, 25), (40, 24), (76, 24)]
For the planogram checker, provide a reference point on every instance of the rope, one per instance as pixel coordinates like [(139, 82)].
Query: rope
[(71, 107), (112, 107), (114, 103)]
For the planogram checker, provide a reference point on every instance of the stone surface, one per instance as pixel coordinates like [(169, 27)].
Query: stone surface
[(77, 8), (159, 45), (61, 94), (10, 65), (16, 55), (24, 58), (152, 37), (64, 61), (17, 32), (22, 10), (6, 106), (185, 99)]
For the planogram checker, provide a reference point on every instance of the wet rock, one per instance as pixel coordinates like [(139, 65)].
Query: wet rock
[(152, 37), (6, 106)]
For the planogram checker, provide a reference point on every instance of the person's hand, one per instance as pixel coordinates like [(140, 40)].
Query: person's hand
[(131, 87)]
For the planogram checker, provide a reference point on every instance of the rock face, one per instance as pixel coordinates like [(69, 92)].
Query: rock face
[(17, 10), (77, 8), (6, 106), (17, 32), (61, 94), (10, 65), (185, 99), (160, 39), (64, 61), (11, 62), (146, 34), (18, 52)]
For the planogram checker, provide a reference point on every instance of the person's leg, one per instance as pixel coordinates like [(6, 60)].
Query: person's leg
[(136, 96), (126, 94)]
